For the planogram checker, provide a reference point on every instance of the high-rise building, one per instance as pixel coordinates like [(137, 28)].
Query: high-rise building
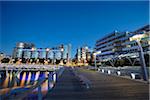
[(78, 55), (83, 54)]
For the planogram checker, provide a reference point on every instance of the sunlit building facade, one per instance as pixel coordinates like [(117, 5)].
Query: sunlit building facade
[(118, 43)]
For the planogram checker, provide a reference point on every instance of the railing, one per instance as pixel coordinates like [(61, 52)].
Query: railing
[(28, 67)]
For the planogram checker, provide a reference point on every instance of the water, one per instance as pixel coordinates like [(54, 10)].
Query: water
[(24, 85)]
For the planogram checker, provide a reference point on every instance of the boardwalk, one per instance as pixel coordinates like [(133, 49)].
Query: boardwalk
[(67, 87), (103, 87)]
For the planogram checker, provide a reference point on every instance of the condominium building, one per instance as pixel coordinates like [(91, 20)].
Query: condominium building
[(132, 46), (23, 50), (28, 50), (119, 43)]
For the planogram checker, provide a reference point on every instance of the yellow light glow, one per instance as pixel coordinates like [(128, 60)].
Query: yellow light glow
[(47, 49), (29, 78), (23, 79), (33, 49), (37, 77), (5, 84), (96, 53), (137, 37)]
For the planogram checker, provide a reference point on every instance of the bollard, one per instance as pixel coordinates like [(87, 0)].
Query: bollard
[(118, 73), (109, 72), (98, 69), (135, 76), (103, 71)]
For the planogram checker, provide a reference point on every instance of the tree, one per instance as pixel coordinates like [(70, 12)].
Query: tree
[(5, 60)]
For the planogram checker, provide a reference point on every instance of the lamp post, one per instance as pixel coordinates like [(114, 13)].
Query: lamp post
[(54, 54), (47, 51), (95, 61), (39, 53), (95, 54), (62, 50), (32, 50), (137, 38)]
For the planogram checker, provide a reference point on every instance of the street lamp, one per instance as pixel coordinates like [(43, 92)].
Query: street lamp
[(32, 50), (47, 51), (138, 38), (62, 50), (95, 54)]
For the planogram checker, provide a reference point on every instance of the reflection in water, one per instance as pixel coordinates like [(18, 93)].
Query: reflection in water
[(44, 86), (29, 78), (10, 77), (15, 82), (4, 91), (23, 79), (6, 81), (36, 77), (11, 83), (54, 77), (18, 76)]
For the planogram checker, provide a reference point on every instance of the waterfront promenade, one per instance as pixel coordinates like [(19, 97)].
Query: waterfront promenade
[(101, 87)]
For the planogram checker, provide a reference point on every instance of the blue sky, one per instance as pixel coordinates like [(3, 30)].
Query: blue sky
[(47, 24)]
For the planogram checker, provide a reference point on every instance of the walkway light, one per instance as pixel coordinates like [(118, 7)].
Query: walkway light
[(138, 38)]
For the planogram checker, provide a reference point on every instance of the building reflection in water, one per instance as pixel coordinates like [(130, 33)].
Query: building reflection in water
[(25, 80)]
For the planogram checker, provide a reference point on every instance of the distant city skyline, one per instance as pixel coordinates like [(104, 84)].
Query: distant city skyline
[(49, 24)]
